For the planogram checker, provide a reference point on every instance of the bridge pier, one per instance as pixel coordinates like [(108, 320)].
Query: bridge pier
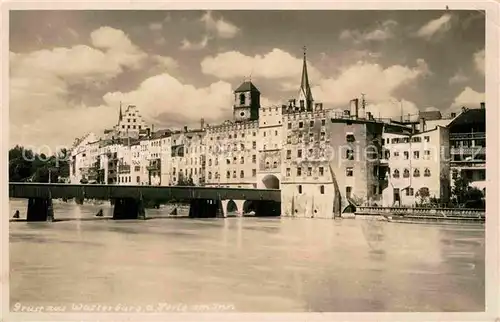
[(128, 208), (40, 209), (205, 208)]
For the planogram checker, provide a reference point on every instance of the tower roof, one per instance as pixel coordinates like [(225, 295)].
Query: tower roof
[(305, 88), (246, 86)]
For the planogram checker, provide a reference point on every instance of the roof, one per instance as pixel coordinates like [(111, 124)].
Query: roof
[(429, 115), (470, 117), (247, 86)]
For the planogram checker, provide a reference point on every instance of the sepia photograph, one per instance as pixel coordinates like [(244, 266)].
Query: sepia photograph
[(235, 161)]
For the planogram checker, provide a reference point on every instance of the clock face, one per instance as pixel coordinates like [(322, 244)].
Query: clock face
[(242, 114)]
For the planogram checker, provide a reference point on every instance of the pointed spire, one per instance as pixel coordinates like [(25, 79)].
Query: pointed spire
[(120, 117), (305, 88)]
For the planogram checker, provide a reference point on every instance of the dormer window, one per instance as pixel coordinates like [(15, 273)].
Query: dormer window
[(242, 99)]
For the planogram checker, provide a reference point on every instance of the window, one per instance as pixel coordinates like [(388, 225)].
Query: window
[(209, 162), (300, 138), (416, 139), (311, 152), (234, 174), (254, 145), (427, 138), (254, 158), (406, 155), (228, 174), (242, 146), (289, 125), (242, 174), (209, 175), (301, 124), (348, 191), (409, 191), (242, 99), (300, 188), (349, 154), (137, 179), (427, 172), (416, 173), (288, 154), (396, 154), (311, 123), (350, 138), (395, 174), (287, 172), (288, 140), (276, 132), (137, 168), (311, 137), (253, 133), (299, 172), (427, 154), (309, 171), (228, 161), (254, 172), (349, 171), (299, 153), (406, 173), (322, 189), (264, 133), (322, 136), (416, 154), (320, 171), (323, 122), (242, 135)]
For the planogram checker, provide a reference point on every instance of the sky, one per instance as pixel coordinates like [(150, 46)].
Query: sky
[(69, 70)]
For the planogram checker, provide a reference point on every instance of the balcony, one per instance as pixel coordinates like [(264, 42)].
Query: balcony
[(465, 136), (124, 169), (465, 150), (154, 165)]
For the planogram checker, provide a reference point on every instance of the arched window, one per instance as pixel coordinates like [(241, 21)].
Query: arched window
[(416, 173), (242, 99), (210, 175), (427, 172), (395, 174), (406, 173), (209, 162), (322, 189)]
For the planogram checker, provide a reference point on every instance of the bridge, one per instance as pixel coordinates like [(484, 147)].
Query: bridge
[(129, 200)]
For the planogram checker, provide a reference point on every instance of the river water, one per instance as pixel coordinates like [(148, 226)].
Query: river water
[(246, 264)]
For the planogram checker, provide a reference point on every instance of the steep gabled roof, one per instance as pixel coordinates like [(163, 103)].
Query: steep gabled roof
[(469, 117), (247, 86)]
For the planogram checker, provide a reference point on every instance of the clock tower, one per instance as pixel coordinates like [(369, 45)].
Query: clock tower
[(246, 102)]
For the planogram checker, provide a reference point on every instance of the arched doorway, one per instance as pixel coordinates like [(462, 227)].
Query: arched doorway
[(231, 207), (271, 182)]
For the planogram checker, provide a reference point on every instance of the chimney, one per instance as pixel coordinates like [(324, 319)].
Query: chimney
[(185, 128), (422, 124), (482, 106), (464, 108), (202, 123), (453, 115)]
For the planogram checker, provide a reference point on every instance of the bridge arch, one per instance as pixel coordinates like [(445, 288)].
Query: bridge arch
[(231, 206), (248, 206), (270, 181)]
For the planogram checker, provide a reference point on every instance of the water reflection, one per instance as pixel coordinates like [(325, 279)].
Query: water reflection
[(257, 264)]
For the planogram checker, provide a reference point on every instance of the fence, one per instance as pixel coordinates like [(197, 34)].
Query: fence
[(422, 212)]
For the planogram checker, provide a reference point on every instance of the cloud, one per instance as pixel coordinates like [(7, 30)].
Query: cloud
[(187, 45), (166, 62), (383, 32), (182, 104), (221, 28), (277, 64), (377, 82), (459, 77), (155, 26), (41, 85), (468, 98), (391, 108), (160, 41), (479, 61), (433, 27)]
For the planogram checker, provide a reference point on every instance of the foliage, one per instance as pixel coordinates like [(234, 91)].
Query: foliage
[(461, 186), (25, 165), (185, 182), (423, 195)]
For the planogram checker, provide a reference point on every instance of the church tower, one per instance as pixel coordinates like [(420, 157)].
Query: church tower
[(305, 94), (246, 102)]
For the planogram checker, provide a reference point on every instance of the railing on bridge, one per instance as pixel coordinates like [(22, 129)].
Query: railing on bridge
[(474, 135), (422, 212)]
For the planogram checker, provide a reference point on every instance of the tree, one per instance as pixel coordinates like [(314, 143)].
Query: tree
[(460, 188), (423, 194)]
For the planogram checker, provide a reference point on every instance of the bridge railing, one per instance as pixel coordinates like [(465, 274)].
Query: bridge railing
[(414, 211)]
